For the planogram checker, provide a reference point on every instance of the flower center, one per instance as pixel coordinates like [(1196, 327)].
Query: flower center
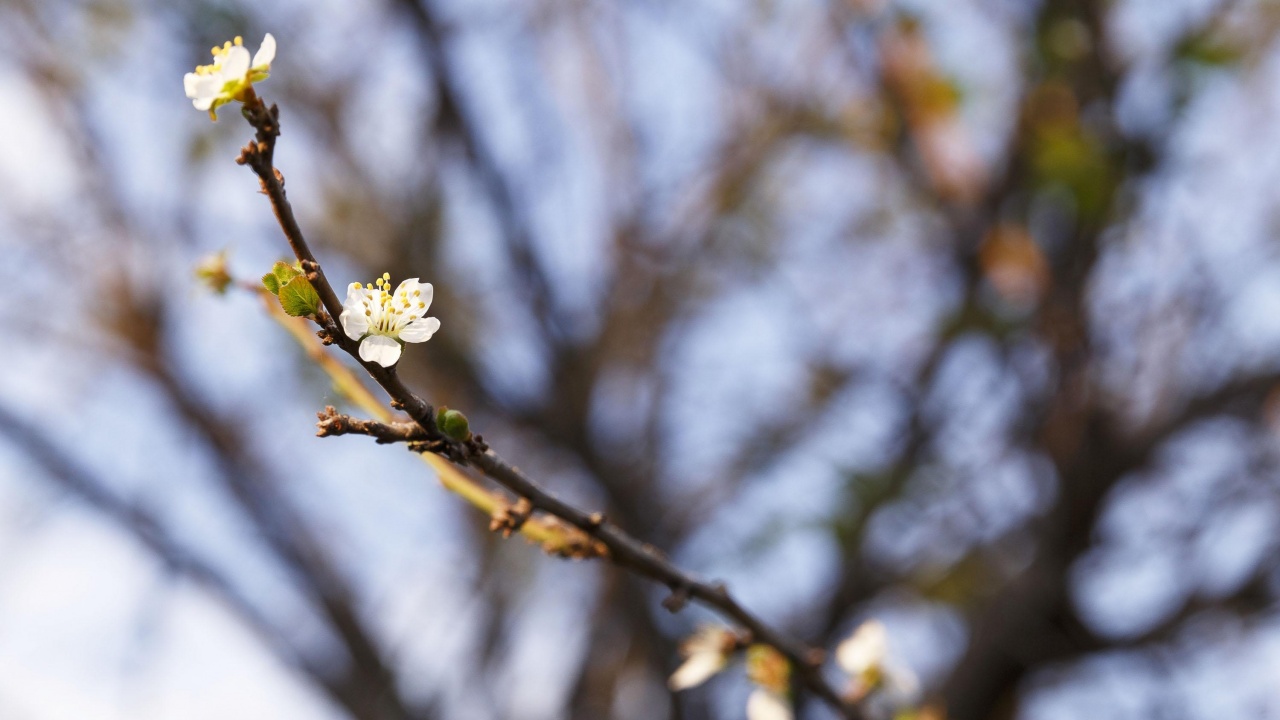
[(389, 312)]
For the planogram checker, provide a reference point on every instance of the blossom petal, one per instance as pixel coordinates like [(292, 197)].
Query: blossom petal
[(354, 322), (355, 295), (380, 349), (235, 63), (901, 684), (420, 330), (699, 668), (407, 286), (202, 89), (865, 649), (266, 53), (767, 705)]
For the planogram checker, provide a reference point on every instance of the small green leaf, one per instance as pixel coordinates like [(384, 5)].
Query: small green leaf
[(271, 283), (298, 298), (284, 272)]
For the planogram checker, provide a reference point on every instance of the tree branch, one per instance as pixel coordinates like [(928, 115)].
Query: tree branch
[(333, 423), (624, 550)]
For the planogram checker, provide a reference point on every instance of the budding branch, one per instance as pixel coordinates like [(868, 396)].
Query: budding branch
[(624, 550)]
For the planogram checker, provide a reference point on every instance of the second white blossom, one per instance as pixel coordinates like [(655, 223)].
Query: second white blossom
[(884, 685), (383, 320), (706, 653), (230, 76)]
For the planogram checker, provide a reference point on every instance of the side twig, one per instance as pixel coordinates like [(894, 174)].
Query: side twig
[(624, 550), (332, 423)]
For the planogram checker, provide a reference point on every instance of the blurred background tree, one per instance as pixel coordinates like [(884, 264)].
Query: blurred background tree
[(963, 315)]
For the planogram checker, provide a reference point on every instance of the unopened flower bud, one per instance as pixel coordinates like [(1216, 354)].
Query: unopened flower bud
[(212, 271), (454, 424)]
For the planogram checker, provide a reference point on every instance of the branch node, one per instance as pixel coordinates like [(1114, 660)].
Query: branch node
[(310, 268), (511, 518), (653, 551), (427, 446), (677, 600)]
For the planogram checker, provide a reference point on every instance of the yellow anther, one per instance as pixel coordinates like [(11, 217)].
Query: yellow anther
[(417, 293), (368, 286), (239, 40), (368, 313), (386, 276), (422, 305)]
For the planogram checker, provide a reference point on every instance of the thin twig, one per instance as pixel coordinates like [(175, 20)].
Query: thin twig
[(334, 423), (624, 550)]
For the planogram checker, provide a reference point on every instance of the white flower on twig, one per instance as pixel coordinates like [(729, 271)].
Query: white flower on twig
[(706, 653), (771, 672), (383, 320), (765, 704), (231, 74), (865, 656), (864, 651)]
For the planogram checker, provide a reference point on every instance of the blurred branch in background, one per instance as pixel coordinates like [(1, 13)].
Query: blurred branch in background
[(347, 688)]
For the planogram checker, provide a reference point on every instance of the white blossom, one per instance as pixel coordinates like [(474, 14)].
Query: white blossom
[(383, 320), (706, 653), (876, 678), (230, 75), (765, 704), (900, 686), (865, 650)]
